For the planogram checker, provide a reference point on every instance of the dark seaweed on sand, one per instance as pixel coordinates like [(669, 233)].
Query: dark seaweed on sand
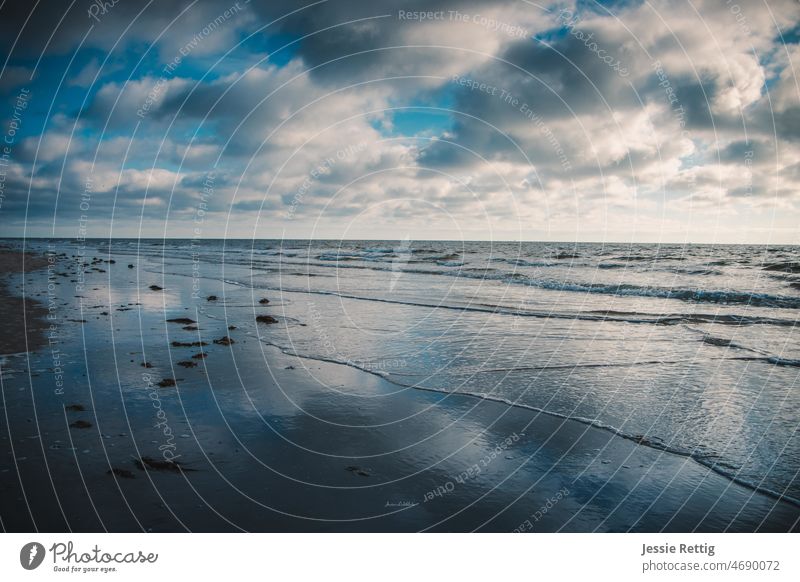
[(184, 320), (123, 473), (150, 464), (81, 424)]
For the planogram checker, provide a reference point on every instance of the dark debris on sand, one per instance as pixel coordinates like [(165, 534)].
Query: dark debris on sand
[(150, 464), (156, 288), (188, 344), (184, 320), (225, 341), (167, 383), (263, 301), (266, 319), (200, 356), (123, 473), (81, 424)]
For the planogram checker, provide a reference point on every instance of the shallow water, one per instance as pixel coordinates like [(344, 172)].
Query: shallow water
[(690, 349)]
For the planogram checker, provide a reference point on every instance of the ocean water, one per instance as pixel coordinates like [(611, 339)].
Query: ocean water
[(690, 349)]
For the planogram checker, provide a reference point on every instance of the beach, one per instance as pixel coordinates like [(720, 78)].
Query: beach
[(178, 394), (23, 319)]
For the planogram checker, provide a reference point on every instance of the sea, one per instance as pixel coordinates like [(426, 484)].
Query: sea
[(690, 349)]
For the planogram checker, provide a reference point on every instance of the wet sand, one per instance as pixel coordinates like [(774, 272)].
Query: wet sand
[(23, 319), (268, 441)]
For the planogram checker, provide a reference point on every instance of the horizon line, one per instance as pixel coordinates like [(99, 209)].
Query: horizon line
[(393, 240)]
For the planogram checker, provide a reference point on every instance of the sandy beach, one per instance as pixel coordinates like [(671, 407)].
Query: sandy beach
[(122, 423)]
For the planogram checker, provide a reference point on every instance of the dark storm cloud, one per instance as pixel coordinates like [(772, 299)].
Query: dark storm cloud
[(349, 37), (319, 31), (571, 78), (530, 81), (58, 27)]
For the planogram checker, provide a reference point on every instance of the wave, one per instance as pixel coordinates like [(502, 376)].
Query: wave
[(612, 316), (383, 259), (715, 296), (689, 295), (633, 317), (700, 270), (776, 360), (517, 262), (438, 258), (784, 267)]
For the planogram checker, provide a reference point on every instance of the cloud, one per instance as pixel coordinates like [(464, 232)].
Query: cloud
[(388, 114)]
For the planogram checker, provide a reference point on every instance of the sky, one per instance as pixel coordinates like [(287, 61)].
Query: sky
[(630, 121)]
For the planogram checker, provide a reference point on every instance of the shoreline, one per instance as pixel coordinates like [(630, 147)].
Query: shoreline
[(594, 424)]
